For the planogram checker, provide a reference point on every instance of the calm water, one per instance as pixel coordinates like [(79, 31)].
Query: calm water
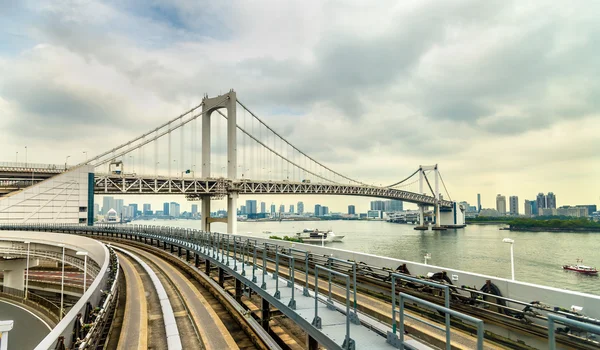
[(476, 248)]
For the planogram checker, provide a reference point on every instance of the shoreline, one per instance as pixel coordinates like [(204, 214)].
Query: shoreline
[(555, 229)]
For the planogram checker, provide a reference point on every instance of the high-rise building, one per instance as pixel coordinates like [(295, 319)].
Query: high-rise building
[(194, 210), (272, 208), (527, 207), (478, 202), (378, 205), (118, 206), (351, 210), (174, 210), (291, 208), (251, 207), (318, 210), (282, 208), (147, 209), (96, 209), (263, 207), (300, 208), (501, 204), (513, 205), (591, 208), (166, 208), (551, 200), (540, 202), (134, 209), (108, 203), (393, 205), (243, 210), (324, 210)]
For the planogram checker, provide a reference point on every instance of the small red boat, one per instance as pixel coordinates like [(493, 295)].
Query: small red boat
[(586, 270)]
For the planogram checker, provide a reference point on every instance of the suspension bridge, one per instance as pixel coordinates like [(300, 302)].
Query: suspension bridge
[(236, 153)]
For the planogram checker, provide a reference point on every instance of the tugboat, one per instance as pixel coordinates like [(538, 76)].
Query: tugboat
[(586, 270)]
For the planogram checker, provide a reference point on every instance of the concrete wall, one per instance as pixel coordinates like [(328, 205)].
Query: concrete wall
[(56, 200)]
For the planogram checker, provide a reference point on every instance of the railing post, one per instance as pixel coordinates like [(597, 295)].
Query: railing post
[(244, 259), (254, 264), (317, 320), (234, 253), (292, 303), (264, 267), (276, 275), (401, 311)]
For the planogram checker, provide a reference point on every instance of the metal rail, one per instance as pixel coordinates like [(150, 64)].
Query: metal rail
[(569, 322)]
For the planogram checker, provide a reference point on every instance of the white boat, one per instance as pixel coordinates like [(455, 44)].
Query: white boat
[(316, 236)]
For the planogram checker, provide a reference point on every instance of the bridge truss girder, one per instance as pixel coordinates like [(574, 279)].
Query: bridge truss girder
[(220, 187)]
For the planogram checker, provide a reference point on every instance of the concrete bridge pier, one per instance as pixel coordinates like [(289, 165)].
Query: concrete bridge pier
[(422, 226), (14, 272)]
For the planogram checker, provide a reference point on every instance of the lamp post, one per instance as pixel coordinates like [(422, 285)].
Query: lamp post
[(26, 156), (27, 271), (156, 169), (66, 160), (17, 157), (512, 257), (62, 281), (86, 156), (85, 255)]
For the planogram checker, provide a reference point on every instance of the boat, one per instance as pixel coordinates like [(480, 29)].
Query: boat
[(267, 232), (316, 236), (586, 270)]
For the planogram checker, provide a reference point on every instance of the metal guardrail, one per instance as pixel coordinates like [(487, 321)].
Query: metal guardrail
[(392, 337), (476, 321), (218, 247), (552, 319)]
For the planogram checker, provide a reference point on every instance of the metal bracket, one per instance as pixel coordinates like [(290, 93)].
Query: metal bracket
[(254, 279), (277, 295), (305, 292), (350, 346), (317, 322), (393, 340), (292, 304), (330, 305), (354, 318)]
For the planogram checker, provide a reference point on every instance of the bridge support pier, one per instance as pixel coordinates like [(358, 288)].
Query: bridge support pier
[(232, 213), (196, 260), (238, 290), (207, 267), (205, 214), (222, 277), (265, 312), (311, 343)]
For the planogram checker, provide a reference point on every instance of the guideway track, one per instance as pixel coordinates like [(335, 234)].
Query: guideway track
[(212, 331), (134, 330)]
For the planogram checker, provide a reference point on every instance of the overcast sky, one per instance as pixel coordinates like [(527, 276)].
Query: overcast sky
[(504, 95)]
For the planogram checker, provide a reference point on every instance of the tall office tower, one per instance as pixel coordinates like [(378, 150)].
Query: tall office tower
[(166, 208), (551, 200), (251, 206), (300, 208), (263, 207), (513, 204), (501, 204), (318, 210), (478, 202), (351, 210), (108, 203)]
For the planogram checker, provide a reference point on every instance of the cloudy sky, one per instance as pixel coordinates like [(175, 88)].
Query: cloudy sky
[(504, 95)]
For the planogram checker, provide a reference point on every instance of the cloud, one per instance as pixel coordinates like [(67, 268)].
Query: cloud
[(371, 89)]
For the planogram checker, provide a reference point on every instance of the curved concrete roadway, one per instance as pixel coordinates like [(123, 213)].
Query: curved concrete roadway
[(28, 329)]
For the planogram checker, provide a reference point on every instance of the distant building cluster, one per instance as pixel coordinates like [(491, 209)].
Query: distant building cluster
[(542, 205), (117, 209)]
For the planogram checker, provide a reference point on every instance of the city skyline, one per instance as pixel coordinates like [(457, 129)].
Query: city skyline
[(507, 106)]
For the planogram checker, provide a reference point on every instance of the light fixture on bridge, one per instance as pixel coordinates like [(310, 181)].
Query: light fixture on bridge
[(85, 255)]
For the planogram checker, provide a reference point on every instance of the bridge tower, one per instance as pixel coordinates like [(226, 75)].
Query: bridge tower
[(227, 101), (435, 191)]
